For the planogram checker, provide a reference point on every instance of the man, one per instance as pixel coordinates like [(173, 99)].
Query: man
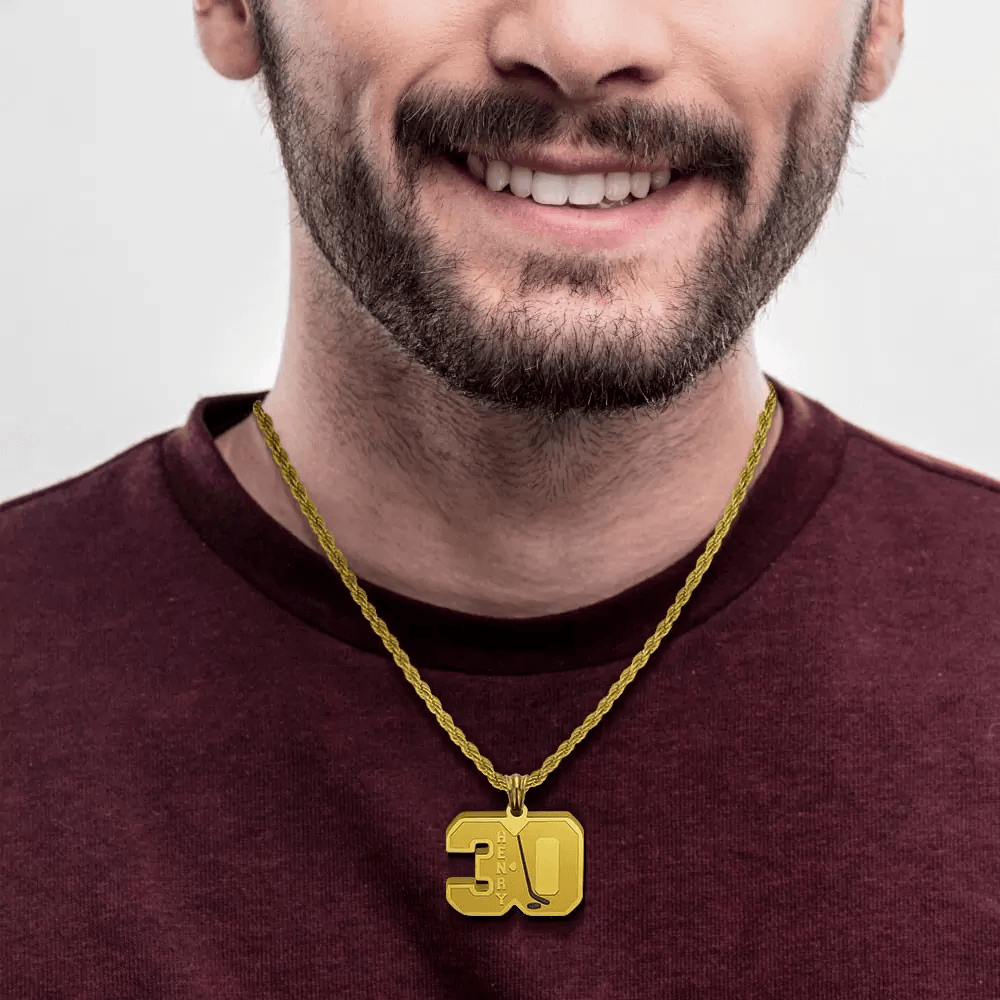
[(529, 241)]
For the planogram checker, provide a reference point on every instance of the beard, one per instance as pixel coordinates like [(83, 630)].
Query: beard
[(532, 362)]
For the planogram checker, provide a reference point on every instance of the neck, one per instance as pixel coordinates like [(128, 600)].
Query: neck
[(482, 513)]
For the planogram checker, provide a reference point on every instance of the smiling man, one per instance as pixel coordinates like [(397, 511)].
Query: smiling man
[(524, 639), (540, 404)]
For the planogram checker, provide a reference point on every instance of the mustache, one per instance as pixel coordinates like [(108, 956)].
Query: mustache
[(432, 122)]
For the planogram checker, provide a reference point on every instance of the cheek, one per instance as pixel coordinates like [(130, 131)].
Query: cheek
[(766, 52), (761, 56), (390, 37), (372, 51)]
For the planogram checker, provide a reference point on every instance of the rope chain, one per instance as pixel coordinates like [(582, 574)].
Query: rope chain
[(499, 781)]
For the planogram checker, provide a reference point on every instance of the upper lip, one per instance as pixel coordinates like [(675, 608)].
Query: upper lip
[(574, 161)]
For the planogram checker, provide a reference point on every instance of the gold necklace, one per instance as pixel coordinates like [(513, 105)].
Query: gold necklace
[(544, 876)]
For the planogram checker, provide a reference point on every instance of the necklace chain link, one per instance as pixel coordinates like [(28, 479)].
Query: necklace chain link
[(516, 783)]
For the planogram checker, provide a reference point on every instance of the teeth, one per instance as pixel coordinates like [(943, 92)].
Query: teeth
[(520, 181), (559, 189), (586, 189), (476, 166), (617, 185), (551, 189), (497, 175), (639, 184)]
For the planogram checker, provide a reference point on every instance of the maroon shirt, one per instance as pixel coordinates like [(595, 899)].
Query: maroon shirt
[(216, 783)]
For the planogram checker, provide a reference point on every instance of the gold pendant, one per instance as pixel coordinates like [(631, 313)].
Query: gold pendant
[(532, 862)]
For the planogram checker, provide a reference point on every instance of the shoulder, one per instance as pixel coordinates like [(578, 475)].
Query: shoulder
[(903, 480), (902, 510), (936, 472)]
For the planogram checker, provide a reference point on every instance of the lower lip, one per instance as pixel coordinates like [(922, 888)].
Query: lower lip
[(586, 229)]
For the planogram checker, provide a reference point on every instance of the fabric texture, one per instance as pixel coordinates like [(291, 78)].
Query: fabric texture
[(215, 782)]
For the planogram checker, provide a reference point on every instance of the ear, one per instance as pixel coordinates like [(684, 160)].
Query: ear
[(885, 46), (228, 37)]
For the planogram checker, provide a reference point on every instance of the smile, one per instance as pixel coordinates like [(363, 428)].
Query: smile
[(586, 211), (586, 190)]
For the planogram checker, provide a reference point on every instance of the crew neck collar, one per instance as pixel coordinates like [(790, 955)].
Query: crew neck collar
[(305, 584)]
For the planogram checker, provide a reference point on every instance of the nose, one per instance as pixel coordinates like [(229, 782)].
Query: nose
[(571, 52)]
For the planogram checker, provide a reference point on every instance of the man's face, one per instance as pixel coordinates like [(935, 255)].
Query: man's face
[(485, 289)]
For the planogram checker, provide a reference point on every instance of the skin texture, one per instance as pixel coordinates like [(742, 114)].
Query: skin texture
[(495, 422)]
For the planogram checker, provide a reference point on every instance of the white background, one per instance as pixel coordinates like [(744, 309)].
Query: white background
[(144, 245)]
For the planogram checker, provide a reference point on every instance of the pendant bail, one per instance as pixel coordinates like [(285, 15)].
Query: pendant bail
[(515, 792)]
